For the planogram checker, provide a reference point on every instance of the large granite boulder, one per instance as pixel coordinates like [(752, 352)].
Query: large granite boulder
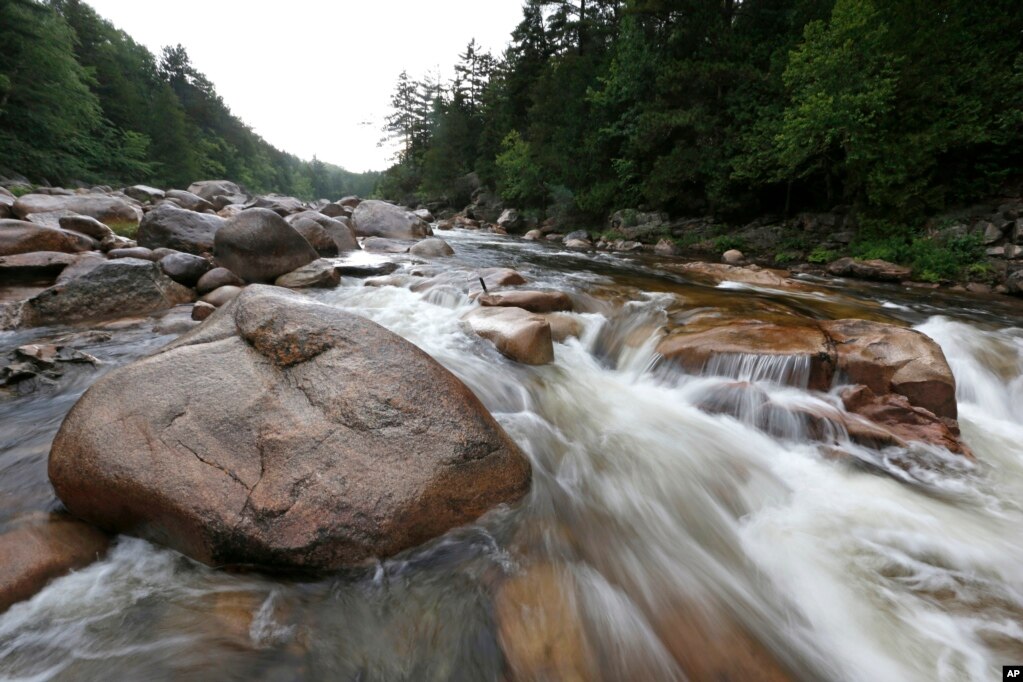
[(380, 219), (259, 246), (220, 193), (112, 211), (292, 434), (168, 226), (19, 236), (110, 289)]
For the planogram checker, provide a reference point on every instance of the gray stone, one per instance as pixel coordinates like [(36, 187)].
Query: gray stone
[(379, 219), (259, 246), (216, 278), (321, 274), (168, 226), (185, 268), (432, 248)]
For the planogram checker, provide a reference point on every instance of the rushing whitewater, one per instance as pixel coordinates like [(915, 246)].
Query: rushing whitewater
[(656, 493)]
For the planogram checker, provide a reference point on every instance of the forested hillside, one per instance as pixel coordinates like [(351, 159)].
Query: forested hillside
[(732, 108), (81, 101)]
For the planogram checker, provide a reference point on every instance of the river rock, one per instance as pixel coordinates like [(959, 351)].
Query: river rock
[(533, 236), (366, 270), (111, 289), (19, 236), (144, 193), (40, 548), (201, 310), (259, 246), (733, 257), (216, 278), (223, 192), (296, 435), (380, 219), (518, 334), (279, 204), (139, 252), (511, 220), (112, 211), (666, 247), (221, 296), (317, 237), (891, 359), (86, 225), (36, 264), (339, 230), (168, 226), (185, 268), (320, 274), (433, 247), (82, 264), (187, 201), (722, 272), (381, 245), (533, 301), (334, 210), (876, 269), (907, 422), (725, 347)]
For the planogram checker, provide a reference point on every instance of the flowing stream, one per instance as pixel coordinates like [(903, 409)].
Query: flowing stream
[(667, 529)]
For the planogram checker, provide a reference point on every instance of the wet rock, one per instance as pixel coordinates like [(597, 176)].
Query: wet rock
[(890, 359), (518, 334), (540, 628), (721, 272), (221, 296), (140, 252), (82, 264), (201, 310), (905, 421), (144, 193), (114, 288), (259, 246), (666, 247), (564, 327), (728, 348), (86, 225), (319, 274), (876, 269), (369, 270), (511, 220), (533, 301), (424, 214), (115, 213), (41, 548), (379, 219), (294, 439), (116, 242), (432, 248), (381, 245), (185, 268), (168, 226), (732, 257), (216, 278), (187, 201), (468, 281), (578, 244), (533, 236), (221, 192), (18, 236)]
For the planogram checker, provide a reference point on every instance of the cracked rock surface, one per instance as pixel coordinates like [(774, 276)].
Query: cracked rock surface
[(284, 433)]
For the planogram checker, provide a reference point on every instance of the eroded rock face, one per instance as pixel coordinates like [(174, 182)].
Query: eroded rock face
[(295, 435), (380, 219), (39, 549), (259, 246), (109, 289), (168, 226), (18, 236), (890, 359)]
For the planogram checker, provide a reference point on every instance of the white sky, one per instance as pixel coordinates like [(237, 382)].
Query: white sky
[(307, 75)]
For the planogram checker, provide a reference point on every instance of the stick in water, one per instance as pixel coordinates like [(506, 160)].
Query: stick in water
[(484, 285)]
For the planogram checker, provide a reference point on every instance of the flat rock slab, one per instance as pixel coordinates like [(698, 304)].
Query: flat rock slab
[(293, 434), (533, 301)]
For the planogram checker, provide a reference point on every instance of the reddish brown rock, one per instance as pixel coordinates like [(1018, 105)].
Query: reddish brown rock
[(18, 236), (876, 269), (695, 350), (533, 301), (296, 435), (517, 333), (890, 359), (906, 422), (38, 549)]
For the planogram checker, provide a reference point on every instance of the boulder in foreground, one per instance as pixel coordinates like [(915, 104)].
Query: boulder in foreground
[(294, 435)]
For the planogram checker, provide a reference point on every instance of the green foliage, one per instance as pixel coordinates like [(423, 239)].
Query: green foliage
[(520, 177), (727, 242), (821, 256), (932, 259)]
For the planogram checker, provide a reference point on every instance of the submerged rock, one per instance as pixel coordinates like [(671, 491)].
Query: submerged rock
[(533, 301), (294, 435), (518, 334), (38, 549)]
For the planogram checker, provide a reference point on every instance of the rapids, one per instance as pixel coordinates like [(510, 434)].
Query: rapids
[(646, 504)]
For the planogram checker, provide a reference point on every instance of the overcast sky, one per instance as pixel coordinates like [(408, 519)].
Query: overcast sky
[(315, 76)]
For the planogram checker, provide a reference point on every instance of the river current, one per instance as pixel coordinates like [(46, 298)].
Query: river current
[(658, 528)]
